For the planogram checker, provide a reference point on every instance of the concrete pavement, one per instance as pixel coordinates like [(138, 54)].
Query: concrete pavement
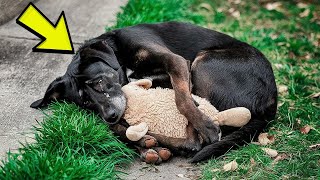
[(9, 9)]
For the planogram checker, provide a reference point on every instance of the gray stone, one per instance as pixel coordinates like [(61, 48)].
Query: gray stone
[(10, 8)]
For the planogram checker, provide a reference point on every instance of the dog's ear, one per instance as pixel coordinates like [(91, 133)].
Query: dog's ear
[(102, 46), (98, 51), (55, 91)]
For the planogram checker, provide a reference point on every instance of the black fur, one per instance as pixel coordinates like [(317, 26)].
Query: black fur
[(227, 72)]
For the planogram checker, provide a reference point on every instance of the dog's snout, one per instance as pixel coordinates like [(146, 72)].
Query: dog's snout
[(111, 116)]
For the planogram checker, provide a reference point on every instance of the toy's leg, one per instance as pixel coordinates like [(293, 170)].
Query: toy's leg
[(149, 156), (147, 141), (236, 117), (155, 155), (152, 156), (164, 153)]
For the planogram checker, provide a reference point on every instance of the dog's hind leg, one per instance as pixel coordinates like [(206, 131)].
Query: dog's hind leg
[(233, 78)]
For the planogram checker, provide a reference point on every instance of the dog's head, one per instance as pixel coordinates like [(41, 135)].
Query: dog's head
[(93, 81)]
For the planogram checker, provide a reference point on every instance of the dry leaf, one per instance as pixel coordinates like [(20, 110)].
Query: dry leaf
[(180, 175), (252, 162), (278, 66), (305, 129), (290, 132), (315, 105), (231, 10), (237, 1), (265, 139), (235, 14), (302, 5), (280, 104), (282, 89), (221, 9), (256, 143), (206, 6), (292, 55), (317, 44), (307, 56), (316, 95), (234, 1), (271, 138), (231, 166), (274, 36), (305, 13), (273, 6), (314, 146), (298, 121), (280, 157), (270, 152), (215, 170)]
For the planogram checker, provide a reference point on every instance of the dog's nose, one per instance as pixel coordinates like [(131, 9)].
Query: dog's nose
[(111, 116)]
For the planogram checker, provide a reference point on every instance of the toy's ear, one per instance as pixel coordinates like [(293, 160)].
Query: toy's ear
[(145, 83), (55, 91)]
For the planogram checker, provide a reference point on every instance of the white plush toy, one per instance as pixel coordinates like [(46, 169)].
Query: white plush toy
[(154, 110)]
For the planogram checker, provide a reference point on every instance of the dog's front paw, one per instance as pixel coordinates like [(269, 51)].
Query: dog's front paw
[(192, 144), (209, 131)]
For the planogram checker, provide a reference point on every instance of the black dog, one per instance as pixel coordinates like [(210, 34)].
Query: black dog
[(187, 58)]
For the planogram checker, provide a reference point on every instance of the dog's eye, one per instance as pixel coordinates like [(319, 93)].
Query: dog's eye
[(109, 86), (86, 102)]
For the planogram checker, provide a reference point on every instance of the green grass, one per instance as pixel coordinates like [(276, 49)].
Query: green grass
[(72, 144), (153, 11), (290, 42)]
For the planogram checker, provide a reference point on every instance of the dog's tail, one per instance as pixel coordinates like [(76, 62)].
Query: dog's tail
[(232, 141)]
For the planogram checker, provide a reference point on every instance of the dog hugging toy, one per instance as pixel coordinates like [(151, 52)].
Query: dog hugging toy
[(153, 110)]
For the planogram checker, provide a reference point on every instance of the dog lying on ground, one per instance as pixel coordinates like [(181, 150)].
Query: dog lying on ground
[(185, 57)]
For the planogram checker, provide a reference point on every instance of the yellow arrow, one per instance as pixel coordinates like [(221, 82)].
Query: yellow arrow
[(55, 38)]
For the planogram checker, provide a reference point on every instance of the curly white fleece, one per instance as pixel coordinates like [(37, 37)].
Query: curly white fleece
[(157, 108)]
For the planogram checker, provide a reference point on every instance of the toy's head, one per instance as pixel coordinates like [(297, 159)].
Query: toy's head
[(137, 88)]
